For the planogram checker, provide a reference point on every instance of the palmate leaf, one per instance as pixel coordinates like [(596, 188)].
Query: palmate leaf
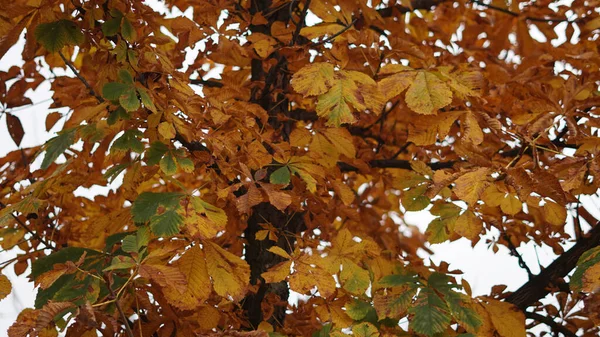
[(57, 145), (338, 92), (431, 313), (586, 278), (166, 224), (146, 205), (55, 35)]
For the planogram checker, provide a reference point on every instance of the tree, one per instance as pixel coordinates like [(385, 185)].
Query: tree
[(283, 156)]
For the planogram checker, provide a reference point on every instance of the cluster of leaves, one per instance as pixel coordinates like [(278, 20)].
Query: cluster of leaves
[(291, 168)]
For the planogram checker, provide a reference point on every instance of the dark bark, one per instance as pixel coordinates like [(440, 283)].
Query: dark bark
[(260, 259), (539, 286)]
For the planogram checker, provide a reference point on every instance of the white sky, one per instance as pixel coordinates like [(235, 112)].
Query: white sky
[(482, 268)]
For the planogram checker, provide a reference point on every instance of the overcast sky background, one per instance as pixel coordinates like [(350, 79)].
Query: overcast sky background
[(482, 268)]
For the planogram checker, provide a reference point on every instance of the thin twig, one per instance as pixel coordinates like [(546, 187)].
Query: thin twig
[(83, 80), (301, 23), (551, 323), (314, 44), (291, 12), (34, 234), (530, 18), (515, 253), (121, 312)]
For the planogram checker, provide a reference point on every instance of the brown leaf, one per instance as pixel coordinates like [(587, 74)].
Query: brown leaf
[(15, 128)]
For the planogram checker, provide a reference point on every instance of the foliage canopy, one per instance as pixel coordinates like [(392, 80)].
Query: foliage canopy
[(266, 146)]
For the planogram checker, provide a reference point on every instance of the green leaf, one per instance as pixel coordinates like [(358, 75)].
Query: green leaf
[(135, 242), (587, 260), (129, 141), (324, 332), (168, 165), (146, 205), (129, 100), (281, 176), (125, 76), (463, 314), (358, 309), (55, 35), (166, 224), (186, 164), (112, 173), (438, 230), (430, 313), (441, 283), (112, 91), (120, 262), (398, 280), (414, 199), (118, 114), (156, 151), (128, 30), (146, 99), (57, 145), (111, 26)]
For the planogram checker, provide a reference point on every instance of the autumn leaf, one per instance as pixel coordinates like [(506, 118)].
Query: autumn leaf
[(427, 94), (229, 273), (55, 35), (5, 286)]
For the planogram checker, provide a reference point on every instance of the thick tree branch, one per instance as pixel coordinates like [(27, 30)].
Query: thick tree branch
[(556, 327), (538, 287), (207, 83), (395, 163)]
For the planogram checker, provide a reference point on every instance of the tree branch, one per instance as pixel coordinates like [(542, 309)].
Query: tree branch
[(28, 230), (207, 83), (530, 18), (556, 327), (538, 287), (83, 80), (394, 163)]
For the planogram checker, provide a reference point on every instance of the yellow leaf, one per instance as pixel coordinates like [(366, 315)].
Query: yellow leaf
[(333, 312), (325, 151), (279, 251), (468, 225), (508, 320), (165, 276), (350, 89), (353, 278), (258, 156), (342, 140), (192, 265), (280, 199), (305, 276), (472, 130), (554, 213), (510, 204), (427, 94), (5, 286), (230, 274), (470, 185), (345, 193), (313, 79), (395, 84), (277, 273), (365, 329), (591, 279), (167, 130), (322, 29), (203, 219)]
